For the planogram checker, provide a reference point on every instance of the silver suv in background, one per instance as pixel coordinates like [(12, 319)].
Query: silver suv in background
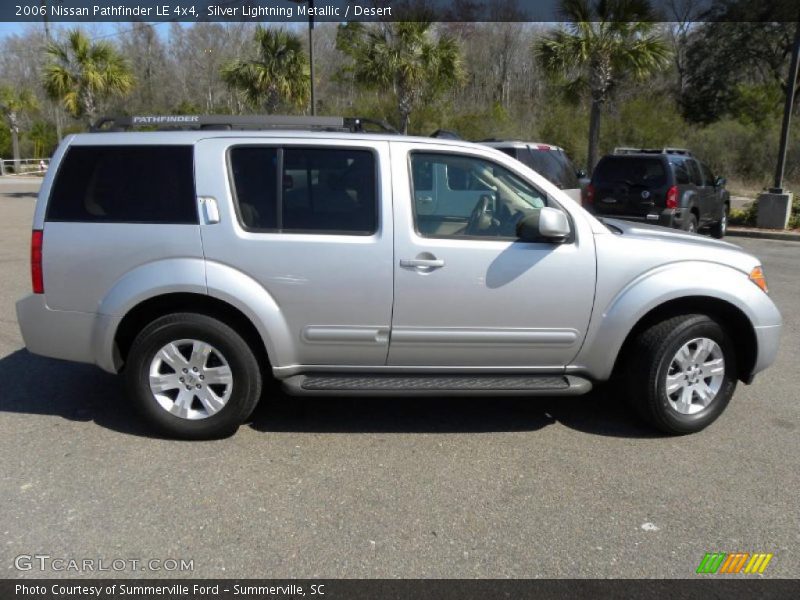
[(200, 262), (549, 161)]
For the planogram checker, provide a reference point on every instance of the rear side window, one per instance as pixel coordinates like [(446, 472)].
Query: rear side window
[(125, 184), (253, 169), (329, 190), (681, 172), (321, 190), (553, 165), (631, 171)]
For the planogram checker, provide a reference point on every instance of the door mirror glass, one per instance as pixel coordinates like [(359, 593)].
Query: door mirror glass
[(544, 224), (580, 174), (720, 182)]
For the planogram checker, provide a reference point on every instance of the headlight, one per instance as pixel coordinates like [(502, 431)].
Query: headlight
[(757, 277)]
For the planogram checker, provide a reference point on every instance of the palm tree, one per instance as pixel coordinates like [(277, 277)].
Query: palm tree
[(402, 57), (603, 41), (81, 74), (12, 103), (278, 75)]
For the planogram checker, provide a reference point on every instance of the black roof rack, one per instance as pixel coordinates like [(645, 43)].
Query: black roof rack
[(236, 122), (629, 150), (446, 134)]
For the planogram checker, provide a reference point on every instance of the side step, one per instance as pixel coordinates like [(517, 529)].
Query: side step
[(324, 384)]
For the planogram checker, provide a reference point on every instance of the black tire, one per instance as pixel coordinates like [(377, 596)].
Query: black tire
[(720, 228), (690, 223), (244, 367), (649, 360)]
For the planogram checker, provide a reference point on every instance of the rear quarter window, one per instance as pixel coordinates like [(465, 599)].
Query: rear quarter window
[(125, 184)]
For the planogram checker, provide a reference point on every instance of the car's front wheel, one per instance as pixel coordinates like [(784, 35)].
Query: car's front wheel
[(681, 373), (193, 376), (720, 228)]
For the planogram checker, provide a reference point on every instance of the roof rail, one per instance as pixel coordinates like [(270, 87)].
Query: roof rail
[(667, 150), (231, 122)]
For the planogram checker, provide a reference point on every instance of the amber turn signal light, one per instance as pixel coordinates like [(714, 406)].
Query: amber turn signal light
[(757, 277)]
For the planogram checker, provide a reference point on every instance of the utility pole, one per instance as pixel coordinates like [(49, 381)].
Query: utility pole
[(49, 39), (310, 50), (791, 84), (311, 54), (775, 205)]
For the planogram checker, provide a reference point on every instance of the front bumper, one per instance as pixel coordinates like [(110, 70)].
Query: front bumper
[(767, 342)]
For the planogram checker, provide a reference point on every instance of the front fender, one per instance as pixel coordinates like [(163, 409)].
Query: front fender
[(612, 322)]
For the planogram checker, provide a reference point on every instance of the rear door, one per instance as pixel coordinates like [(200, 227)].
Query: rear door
[(630, 185), (310, 222)]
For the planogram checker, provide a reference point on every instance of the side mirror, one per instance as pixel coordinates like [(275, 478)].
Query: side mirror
[(720, 182), (544, 224), (580, 174)]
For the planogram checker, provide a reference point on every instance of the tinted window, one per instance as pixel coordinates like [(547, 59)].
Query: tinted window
[(253, 170), (322, 190), (708, 176), (681, 171), (636, 171), (331, 190), (553, 165), (125, 184), (694, 172)]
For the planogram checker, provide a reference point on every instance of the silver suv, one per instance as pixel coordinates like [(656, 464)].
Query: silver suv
[(199, 263)]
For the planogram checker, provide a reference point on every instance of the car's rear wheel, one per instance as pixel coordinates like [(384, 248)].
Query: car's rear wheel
[(720, 228), (192, 376), (681, 373)]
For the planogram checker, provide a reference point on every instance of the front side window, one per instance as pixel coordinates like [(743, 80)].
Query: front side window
[(708, 176), (321, 190), (489, 203)]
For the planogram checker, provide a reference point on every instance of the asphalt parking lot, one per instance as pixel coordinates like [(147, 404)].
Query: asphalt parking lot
[(392, 488)]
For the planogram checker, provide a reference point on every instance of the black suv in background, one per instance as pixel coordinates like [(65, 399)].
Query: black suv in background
[(667, 187), (548, 160)]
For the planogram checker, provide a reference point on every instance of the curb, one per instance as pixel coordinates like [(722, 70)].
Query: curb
[(785, 236)]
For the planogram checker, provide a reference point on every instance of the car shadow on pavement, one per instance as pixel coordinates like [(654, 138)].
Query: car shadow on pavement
[(595, 413), (43, 386)]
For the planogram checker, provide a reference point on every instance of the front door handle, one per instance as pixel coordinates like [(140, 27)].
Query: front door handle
[(422, 263)]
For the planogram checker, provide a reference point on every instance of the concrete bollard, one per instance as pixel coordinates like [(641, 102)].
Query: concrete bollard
[(773, 210)]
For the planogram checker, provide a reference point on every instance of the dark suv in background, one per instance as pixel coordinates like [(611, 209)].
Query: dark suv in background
[(667, 187), (548, 160)]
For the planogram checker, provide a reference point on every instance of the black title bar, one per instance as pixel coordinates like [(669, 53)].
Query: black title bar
[(289, 11)]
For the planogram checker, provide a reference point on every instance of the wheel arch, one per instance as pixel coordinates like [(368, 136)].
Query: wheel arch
[(154, 307), (729, 316)]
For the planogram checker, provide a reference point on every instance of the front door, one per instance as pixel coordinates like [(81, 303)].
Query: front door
[(467, 292)]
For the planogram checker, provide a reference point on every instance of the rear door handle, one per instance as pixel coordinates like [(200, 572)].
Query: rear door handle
[(210, 209), (429, 263)]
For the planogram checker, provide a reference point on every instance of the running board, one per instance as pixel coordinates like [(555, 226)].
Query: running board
[(327, 384)]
